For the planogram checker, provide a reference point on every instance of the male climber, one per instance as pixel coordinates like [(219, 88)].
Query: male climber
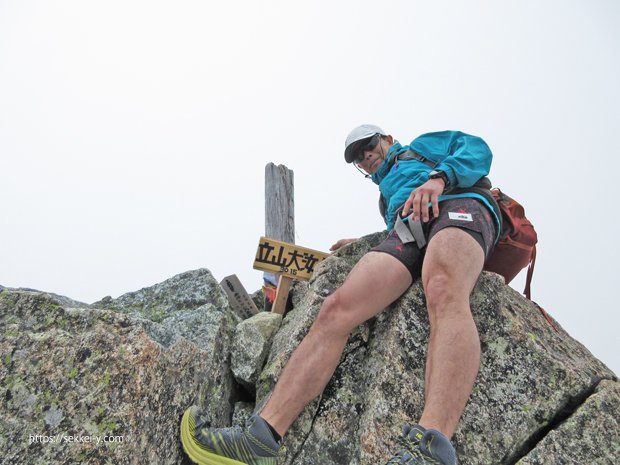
[(442, 223)]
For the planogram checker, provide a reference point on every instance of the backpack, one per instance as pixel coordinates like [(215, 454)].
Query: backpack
[(516, 248)]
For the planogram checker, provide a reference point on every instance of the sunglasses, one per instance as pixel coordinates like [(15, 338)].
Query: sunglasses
[(366, 147)]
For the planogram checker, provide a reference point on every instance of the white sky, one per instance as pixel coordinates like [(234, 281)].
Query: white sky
[(134, 134)]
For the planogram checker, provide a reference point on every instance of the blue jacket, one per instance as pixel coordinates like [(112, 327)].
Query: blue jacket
[(464, 159)]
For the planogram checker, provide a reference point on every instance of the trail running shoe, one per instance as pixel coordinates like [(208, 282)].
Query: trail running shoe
[(410, 446), (423, 447), (252, 445)]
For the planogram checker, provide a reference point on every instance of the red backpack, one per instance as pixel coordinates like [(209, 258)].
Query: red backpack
[(516, 248)]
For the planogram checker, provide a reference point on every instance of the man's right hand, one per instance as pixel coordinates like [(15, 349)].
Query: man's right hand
[(341, 243)]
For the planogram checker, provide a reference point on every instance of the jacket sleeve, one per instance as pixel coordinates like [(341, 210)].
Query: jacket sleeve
[(463, 157)]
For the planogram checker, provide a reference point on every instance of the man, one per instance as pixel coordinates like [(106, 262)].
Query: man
[(437, 185)]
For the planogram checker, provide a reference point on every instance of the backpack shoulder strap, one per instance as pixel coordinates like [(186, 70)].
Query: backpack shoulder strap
[(413, 155), (530, 272), (382, 205)]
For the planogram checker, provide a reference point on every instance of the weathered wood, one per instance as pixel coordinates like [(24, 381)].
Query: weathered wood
[(239, 299), (280, 219), (279, 203)]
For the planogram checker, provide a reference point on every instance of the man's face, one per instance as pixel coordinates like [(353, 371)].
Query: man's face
[(373, 157)]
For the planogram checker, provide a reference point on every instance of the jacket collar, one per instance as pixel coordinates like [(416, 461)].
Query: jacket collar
[(395, 150)]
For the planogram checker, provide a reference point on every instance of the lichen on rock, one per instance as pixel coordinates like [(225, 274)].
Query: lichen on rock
[(252, 341), (95, 373), (128, 367)]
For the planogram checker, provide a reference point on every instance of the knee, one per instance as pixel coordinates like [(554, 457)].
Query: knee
[(441, 295), (332, 316)]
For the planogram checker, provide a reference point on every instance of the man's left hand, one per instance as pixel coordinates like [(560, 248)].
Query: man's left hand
[(419, 199)]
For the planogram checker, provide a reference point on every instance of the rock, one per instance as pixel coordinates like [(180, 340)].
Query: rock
[(88, 373), (129, 367), (184, 291), (53, 417), (533, 380), (61, 299), (203, 326), (259, 299), (252, 343), (242, 412), (190, 305), (591, 434)]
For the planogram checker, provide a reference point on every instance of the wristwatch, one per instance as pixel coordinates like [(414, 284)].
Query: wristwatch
[(440, 174)]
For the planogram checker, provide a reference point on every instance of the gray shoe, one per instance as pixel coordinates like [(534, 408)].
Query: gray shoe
[(423, 447), (436, 445)]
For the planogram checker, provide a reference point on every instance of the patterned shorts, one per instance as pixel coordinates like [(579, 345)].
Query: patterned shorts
[(467, 214)]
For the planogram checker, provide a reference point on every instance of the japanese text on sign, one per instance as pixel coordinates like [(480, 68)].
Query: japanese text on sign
[(238, 297), (287, 259)]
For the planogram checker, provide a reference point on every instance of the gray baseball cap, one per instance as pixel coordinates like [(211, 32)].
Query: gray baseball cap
[(359, 133)]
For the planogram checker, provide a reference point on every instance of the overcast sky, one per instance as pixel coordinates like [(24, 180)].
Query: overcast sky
[(134, 134)]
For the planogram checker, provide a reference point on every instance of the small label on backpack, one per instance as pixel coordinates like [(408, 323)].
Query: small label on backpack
[(460, 216)]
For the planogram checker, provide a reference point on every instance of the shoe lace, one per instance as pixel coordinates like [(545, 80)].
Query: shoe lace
[(203, 422), (410, 454)]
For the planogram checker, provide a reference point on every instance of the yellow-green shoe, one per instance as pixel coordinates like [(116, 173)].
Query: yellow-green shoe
[(204, 445)]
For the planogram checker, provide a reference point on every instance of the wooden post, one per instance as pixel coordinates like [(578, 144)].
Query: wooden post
[(280, 219), (279, 203), (284, 286)]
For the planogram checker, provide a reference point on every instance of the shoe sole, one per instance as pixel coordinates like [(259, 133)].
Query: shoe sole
[(195, 451)]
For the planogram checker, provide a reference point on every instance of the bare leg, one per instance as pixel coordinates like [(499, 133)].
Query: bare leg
[(375, 282), (451, 268)]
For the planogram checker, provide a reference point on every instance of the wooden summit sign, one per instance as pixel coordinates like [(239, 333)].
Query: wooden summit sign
[(287, 259)]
